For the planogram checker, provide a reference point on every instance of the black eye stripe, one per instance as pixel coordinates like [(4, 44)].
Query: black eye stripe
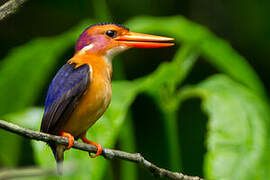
[(111, 33)]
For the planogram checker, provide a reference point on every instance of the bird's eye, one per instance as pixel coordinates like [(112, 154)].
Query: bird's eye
[(111, 33)]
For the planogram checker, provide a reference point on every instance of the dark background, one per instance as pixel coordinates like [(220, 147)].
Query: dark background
[(244, 23)]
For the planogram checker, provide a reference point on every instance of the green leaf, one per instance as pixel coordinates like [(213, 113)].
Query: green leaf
[(237, 129), (215, 50), (161, 86), (170, 74), (105, 131)]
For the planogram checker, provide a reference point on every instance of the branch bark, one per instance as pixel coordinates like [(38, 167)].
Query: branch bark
[(107, 153), (10, 7)]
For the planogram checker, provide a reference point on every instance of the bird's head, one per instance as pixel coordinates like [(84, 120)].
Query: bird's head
[(110, 39)]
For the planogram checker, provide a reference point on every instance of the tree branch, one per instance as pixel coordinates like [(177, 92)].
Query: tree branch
[(26, 172), (107, 153), (10, 7)]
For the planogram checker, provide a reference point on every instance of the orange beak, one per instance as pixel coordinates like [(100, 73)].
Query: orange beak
[(140, 40)]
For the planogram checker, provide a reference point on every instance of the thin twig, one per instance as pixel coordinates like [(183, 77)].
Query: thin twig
[(107, 153), (33, 171), (26, 172), (10, 7)]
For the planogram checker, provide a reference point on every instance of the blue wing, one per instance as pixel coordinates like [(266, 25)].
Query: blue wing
[(63, 95)]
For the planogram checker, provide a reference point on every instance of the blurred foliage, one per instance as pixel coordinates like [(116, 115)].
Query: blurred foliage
[(237, 136), (237, 130)]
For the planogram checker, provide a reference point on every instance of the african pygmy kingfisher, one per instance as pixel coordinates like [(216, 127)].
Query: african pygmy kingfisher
[(81, 91)]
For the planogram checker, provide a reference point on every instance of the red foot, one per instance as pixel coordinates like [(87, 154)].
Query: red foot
[(70, 139), (98, 146)]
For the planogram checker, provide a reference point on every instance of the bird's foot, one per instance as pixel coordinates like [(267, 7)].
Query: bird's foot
[(98, 146), (70, 139)]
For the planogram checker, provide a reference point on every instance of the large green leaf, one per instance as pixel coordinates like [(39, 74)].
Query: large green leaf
[(237, 129), (161, 85), (215, 50)]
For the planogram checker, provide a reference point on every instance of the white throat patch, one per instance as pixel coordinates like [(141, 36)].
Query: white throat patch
[(114, 51), (86, 48), (109, 54)]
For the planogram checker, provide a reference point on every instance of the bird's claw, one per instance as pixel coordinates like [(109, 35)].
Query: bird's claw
[(99, 150), (70, 139), (98, 146)]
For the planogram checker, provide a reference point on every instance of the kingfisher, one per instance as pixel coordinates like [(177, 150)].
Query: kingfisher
[(81, 90)]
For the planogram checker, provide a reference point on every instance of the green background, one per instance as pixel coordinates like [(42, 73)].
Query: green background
[(200, 107)]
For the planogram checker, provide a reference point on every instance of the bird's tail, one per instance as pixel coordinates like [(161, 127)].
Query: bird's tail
[(58, 152)]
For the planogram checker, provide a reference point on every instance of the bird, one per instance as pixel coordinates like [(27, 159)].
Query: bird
[(80, 92)]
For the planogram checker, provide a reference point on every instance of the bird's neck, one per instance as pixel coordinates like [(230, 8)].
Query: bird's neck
[(98, 63)]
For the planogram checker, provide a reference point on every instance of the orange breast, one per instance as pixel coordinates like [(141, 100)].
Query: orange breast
[(95, 100)]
